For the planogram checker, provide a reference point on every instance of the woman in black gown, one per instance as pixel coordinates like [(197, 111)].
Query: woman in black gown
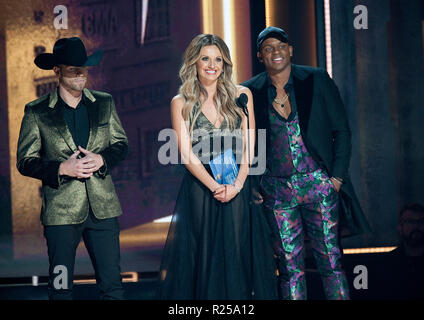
[(219, 244)]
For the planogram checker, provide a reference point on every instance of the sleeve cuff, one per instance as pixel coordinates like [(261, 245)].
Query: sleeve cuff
[(102, 172), (52, 177)]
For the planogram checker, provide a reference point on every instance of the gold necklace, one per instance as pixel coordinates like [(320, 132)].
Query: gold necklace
[(282, 101)]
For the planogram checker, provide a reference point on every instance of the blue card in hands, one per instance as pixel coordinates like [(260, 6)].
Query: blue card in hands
[(224, 167)]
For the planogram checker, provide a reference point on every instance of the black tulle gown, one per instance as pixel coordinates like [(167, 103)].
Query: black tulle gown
[(217, 250)]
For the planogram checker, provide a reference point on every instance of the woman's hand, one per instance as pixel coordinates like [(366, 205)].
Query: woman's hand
[(219, 193), (225, 193), (257, 197)]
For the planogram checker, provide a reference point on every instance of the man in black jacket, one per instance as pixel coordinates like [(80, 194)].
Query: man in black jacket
[(306, 181)]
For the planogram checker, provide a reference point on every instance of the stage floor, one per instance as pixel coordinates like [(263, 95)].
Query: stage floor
[(141, 250)]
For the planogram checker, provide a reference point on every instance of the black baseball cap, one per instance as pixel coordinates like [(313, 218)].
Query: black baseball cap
[(271, 32)]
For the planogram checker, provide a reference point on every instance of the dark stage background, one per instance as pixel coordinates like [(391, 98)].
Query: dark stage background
[(379, 71)]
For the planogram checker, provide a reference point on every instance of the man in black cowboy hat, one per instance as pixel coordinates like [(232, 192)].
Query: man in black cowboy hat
[(308, 153), (70, 139)]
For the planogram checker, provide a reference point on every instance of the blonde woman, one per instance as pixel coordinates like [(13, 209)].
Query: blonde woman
[(218, 246)]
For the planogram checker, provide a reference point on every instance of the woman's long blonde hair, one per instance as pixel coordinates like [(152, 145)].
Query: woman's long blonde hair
[(193, 91)]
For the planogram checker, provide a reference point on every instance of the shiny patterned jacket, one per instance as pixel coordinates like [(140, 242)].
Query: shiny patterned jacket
[(45, 141)]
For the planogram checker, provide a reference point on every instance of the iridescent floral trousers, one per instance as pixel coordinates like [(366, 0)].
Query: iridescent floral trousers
[(310, 201)]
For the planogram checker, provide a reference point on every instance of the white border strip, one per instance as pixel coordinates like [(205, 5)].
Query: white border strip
[(327, 23)]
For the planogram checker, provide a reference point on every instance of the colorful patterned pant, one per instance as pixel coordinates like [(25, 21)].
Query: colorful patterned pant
[(308, 201)]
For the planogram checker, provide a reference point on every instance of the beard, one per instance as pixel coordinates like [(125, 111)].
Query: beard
[(76, 84), (414, 239)]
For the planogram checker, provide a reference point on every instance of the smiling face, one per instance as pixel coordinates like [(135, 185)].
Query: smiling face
[(275, 55), (209, 65)]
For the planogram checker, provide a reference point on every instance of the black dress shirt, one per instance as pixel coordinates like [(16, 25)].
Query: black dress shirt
[(77, 121)]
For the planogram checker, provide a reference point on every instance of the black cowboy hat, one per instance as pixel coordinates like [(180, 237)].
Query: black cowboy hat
[(70, 52)]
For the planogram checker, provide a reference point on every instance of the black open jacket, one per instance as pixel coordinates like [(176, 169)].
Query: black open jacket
[(325, 130)]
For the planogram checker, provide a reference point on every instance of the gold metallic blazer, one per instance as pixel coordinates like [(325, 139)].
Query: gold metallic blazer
[(45, 141)]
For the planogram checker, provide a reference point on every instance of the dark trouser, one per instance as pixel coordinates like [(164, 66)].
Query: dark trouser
[(101, 238)]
